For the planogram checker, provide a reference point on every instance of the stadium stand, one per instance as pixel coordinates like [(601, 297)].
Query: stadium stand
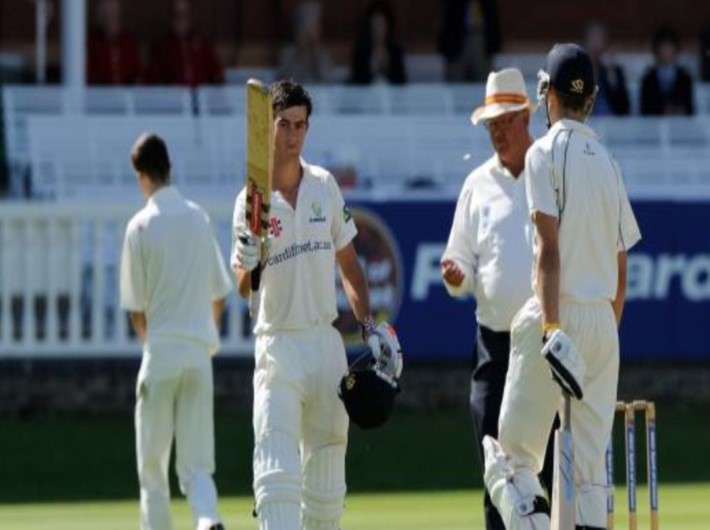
[(393, 137)]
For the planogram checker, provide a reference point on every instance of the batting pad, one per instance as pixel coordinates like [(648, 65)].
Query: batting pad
[(277, 470), (280, 516), (514, 492), (323, 488)]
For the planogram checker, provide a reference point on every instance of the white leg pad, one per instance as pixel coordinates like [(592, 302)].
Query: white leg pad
[(591, 505), (513, 492), (277, 472), (280, 516), (324, 488)]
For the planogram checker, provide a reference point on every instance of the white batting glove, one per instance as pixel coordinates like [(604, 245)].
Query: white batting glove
[(565, 361), (370, 337), (247, 250), (385, 347)]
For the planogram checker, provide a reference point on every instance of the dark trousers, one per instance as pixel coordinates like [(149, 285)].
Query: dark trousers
[(490, 361)]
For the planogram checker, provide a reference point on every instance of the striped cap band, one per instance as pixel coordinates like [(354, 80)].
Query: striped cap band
[(516, 99)]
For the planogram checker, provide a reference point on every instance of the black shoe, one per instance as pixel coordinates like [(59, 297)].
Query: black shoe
[(218, 526)]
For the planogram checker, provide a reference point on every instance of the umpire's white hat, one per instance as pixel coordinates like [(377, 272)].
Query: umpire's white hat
[(505, 92)]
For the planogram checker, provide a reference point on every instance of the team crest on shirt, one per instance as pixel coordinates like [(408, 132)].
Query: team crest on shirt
[(317, 211), (346, 214)]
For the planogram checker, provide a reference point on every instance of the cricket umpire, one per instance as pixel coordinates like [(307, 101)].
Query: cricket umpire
[(489, 252), (584, 225)]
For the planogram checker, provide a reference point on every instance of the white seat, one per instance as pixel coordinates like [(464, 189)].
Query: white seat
[(420, 99), (424, 67), (107, 100), (162, 100), (371, 99), (221, 99)]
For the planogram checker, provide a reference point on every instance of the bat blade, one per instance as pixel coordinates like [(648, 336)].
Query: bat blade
[(563, 487), (259, 163)]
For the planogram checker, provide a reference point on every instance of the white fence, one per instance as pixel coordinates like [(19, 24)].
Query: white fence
[(59, 281)]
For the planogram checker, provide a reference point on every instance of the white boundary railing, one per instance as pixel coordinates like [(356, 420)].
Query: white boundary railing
[(59, 281)]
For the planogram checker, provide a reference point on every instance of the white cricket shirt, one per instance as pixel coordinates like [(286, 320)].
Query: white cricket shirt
[(491, 241), (173, 270), (298, 283), (571, 175)]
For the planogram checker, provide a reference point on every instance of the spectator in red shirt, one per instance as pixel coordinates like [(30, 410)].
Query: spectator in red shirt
[(113, 57), (184, 58)]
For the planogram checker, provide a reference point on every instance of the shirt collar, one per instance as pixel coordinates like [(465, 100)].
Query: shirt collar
[(163, 196), (572, 125), (501, 169)]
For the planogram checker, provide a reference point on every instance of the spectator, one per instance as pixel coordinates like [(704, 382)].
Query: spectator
[(469, 35), (377, 56), (666, 87), (704, 49), (613, 96), (305, 59), (113, 57), (184, 58)]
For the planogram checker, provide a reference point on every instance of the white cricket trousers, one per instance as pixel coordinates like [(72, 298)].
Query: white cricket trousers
[(531, 398), (300, 430), (175, 398)]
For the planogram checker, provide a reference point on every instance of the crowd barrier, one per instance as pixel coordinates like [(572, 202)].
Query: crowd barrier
[(59, 280)]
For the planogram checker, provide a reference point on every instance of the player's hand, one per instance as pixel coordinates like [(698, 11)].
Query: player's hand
[(451, 273), (384, 345), (565, 362), (247, 250), (370, 337)]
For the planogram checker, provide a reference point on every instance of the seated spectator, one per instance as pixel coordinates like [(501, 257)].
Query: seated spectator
[(704, 50), (613, 97), (377, 56), (305, 59), (184, 58), (666, 87), (469, 35), (113, 57)]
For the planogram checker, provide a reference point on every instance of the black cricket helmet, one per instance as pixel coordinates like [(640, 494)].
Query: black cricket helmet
[(369, 387)]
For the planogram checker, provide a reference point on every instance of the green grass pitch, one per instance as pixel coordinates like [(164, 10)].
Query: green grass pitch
[(682, 507)]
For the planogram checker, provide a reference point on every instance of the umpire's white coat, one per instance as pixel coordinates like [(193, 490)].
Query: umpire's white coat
[(570, 175)]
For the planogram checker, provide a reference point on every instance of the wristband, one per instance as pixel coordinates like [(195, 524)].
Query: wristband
[(550, 326), (368, 326)]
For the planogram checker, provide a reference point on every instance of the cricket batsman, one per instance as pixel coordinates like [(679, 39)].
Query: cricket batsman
[(300, 424), (584, 226)]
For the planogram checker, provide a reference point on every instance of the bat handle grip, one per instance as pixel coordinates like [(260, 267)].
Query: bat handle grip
[(256, 278)]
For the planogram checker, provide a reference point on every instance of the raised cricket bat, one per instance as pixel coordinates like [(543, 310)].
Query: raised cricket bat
[(563, 489), (260, 149)]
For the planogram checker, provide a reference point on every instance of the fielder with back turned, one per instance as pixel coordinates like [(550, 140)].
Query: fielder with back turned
[(300, 424), (569, 328), (173, 284)]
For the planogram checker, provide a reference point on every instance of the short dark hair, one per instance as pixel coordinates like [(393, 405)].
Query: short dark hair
[(150, 156), (573, 103), (287, 93)]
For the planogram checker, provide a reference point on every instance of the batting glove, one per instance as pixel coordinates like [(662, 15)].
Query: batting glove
[(247, 250), (370, 337), (565, 361)]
